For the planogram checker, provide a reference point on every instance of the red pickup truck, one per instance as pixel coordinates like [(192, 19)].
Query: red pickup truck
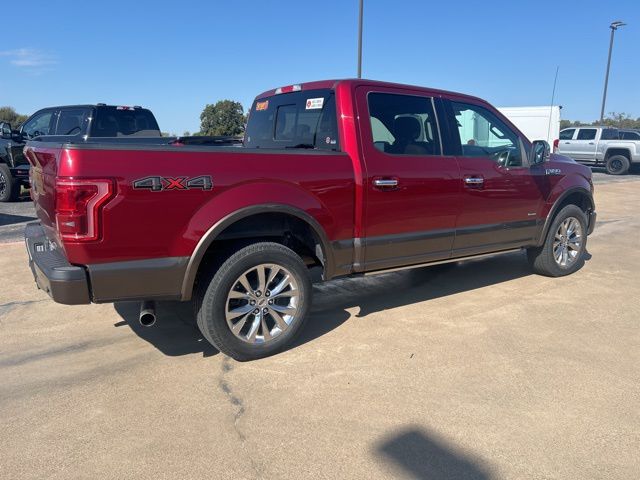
[(352, 176)]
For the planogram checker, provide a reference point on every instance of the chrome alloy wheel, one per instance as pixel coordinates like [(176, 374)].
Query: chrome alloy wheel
[(567, 243), (262, 303)]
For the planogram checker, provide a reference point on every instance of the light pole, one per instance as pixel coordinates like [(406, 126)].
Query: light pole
[(360, 40), (614, 26)]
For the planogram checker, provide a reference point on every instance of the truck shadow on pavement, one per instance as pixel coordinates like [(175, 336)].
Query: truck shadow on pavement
[(397, 289), (423, 456), (175, 332)]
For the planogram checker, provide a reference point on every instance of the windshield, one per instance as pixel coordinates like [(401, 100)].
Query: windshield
[(124, 122)]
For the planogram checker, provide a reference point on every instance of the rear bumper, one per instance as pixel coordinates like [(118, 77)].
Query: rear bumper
[(152, 279), (65, 283), (591, 221)]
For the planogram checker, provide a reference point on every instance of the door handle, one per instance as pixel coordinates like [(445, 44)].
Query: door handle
[(385, 183), (567, 143), (591, 143), (474, 181)]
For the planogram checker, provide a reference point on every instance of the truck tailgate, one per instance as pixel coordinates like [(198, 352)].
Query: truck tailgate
[(44, 161)]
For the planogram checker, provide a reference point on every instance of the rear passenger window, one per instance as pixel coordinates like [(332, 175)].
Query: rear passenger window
[(72, 121), (610, 134), (567, 134), (403, 124), (586, 134)]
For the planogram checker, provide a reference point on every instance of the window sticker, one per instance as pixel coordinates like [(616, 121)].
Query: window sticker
[(314, 103), (262, 105)]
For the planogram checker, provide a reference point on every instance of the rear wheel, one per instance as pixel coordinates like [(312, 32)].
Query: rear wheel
[(565, 244), (617, 165), (9, 187), (256, 302)]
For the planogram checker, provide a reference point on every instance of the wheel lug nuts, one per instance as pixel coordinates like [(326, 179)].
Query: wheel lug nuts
[(258, 293), (256, 311), (270, 302), (252, 302), (267, 293), (265, 310)]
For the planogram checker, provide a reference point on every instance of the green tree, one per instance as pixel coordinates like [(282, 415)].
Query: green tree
[(621, 120), (9, 114), (565, 124), (226, 117)]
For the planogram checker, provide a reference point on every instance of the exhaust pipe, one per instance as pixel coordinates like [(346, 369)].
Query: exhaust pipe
[(147, 313)]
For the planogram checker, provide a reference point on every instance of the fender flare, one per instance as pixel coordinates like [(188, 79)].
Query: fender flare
[(556, 206), (626, 149), (217, 228)]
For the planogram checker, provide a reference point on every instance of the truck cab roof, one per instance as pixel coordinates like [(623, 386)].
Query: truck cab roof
[(353, 83)]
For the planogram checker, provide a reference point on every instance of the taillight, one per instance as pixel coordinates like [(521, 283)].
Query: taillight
[(556, 144), (78, 204)]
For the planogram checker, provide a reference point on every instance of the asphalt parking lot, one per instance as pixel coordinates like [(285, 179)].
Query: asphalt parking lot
[(480, 371)]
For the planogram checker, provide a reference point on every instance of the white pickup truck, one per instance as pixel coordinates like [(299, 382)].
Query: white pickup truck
[(615, 149)]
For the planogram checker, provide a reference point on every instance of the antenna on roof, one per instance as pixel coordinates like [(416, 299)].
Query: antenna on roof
[(553, 96)]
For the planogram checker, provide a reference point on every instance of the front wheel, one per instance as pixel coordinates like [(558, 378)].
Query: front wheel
[(9, 187), (565, 244), (256, 302)]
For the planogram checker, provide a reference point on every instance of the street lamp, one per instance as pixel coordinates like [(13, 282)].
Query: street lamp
[(614, 26)]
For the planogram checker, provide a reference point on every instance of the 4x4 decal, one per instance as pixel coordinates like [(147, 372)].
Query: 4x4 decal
[(159, 184)]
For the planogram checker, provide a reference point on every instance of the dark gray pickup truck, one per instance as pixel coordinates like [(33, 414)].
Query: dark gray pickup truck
[(68, 124)]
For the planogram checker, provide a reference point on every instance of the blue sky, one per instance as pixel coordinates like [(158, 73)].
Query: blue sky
[(175, 57)]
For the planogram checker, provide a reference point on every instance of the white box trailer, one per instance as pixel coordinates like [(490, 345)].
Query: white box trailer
[(537, 123)]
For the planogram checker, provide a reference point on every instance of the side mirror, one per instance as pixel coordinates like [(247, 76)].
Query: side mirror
[(5, 130), (540, 152)]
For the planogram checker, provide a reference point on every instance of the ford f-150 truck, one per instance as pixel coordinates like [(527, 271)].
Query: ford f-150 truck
[(352, 177), (616, 149), (71, 123)]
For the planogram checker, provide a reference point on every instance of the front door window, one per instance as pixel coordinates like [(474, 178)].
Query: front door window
[(483, 134)]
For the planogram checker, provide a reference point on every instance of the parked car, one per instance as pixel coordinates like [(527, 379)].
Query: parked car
[(353, 177), (613, 148), (74, 123)]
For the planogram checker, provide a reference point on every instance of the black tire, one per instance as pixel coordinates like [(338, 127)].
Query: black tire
[(215, 285), (9, 187), (617, 165), (542, 259)]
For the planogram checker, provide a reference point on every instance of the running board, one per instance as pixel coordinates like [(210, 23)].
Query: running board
[(440, 262)]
